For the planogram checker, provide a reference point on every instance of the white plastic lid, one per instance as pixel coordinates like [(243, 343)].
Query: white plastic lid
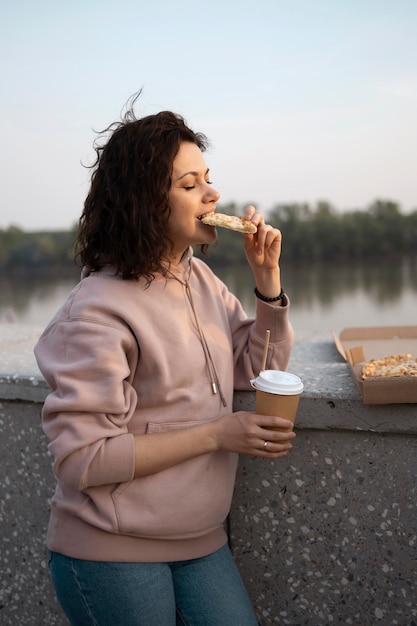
[(275, 381)]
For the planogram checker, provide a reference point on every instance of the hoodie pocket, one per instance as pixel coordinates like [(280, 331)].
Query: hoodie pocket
[(184, 501)]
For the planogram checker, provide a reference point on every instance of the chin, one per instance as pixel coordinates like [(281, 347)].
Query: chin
[(212, 237), (206, 236), (208, 241)]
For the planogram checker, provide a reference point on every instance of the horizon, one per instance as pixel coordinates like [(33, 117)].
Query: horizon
[(221, 208)]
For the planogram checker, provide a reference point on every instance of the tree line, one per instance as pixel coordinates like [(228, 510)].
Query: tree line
[(321, 233), (310, 233), (36, 250)]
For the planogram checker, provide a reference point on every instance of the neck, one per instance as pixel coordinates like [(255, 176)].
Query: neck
[(177, 257)]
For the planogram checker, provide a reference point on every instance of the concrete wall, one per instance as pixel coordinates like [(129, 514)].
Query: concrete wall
[(326, 536), (329, 535), (26, 595)]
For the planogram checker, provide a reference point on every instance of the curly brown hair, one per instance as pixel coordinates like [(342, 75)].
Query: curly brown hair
[(126, 210)]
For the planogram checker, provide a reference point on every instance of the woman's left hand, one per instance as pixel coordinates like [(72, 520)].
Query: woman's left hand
[(263, 249)]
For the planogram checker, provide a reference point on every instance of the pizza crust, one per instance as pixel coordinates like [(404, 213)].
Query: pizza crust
[(396, 365), (232, 222)]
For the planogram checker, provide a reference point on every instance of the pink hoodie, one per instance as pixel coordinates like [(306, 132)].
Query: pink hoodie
[(122, 359)]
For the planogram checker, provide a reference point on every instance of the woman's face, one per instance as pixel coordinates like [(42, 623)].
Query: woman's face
[(191, 196)]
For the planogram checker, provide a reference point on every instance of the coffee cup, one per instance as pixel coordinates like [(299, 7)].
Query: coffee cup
[(277, 393)]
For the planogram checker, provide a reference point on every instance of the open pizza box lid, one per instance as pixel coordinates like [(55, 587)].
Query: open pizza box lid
[(358, 345)]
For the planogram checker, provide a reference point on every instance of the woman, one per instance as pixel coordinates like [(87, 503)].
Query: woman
[(142, 361)]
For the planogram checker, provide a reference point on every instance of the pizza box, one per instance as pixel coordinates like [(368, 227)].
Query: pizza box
[(357, 345)]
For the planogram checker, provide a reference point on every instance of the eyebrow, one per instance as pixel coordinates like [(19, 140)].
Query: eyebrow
[(192, 173)]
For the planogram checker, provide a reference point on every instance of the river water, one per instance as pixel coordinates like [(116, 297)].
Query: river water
[(324, 297)]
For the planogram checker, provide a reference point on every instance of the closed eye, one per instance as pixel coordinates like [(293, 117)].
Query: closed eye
[(188, 187)]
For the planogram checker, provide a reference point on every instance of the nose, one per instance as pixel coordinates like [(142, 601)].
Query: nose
[(211, 195)]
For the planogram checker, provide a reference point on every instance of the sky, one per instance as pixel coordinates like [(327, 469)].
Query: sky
[(302, 100)]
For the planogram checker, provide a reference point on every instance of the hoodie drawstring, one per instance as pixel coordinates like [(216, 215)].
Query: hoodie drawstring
[(214, 378), (211, 368)]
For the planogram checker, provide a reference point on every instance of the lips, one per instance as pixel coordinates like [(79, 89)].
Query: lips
[(200, 217)]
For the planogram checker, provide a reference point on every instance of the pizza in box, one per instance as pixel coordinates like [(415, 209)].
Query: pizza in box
[(390, 366)]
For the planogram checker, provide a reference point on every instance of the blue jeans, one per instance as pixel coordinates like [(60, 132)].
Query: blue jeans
[(200, 592)]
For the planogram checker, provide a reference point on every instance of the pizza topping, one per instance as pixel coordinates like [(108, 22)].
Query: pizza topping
[(397, 365), (239, 224)]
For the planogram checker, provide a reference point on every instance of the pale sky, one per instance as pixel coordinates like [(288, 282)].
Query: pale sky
[(303, 100)]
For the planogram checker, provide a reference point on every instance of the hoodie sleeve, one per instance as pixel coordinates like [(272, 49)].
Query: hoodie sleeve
[(85, 416), (248, 335)]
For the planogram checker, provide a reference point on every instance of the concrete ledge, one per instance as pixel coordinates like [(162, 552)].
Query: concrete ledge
[(26, 594), (328, 534), (325, 536)]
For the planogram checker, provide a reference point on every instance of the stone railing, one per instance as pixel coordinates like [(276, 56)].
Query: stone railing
[(327, 535)]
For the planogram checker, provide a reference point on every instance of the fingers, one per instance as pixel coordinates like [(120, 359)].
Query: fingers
[(250, 212), (266, 236), (273, 450), (272, 423), (265, 436), (252, 215), (276, 435)]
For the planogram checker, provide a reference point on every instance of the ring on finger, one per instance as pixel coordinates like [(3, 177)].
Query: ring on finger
[(265, 444)]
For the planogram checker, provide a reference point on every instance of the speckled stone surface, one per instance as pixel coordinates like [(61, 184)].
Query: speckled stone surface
[(328, 535), (26, 595), (325, 536)]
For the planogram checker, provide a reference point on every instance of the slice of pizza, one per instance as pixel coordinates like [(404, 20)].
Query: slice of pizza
[(232, 222), (395, 365)]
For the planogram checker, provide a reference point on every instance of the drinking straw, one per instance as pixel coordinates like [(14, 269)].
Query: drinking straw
[(267, 334)]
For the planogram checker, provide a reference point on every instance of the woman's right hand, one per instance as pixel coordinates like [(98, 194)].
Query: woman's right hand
[(253, 434), (242, 432)]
